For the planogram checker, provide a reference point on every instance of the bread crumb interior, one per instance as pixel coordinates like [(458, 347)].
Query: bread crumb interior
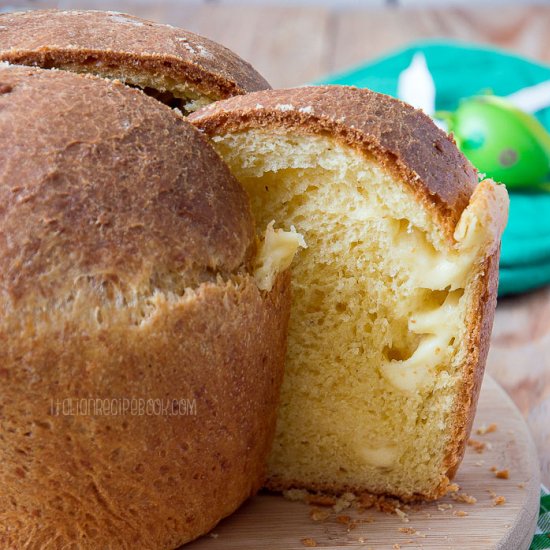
[(377, 328)]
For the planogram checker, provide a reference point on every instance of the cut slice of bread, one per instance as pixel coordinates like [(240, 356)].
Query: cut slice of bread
[(177, 67), (394, 296), (140, 364)]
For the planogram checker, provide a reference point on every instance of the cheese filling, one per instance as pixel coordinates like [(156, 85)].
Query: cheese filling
[(276, 253), (438, 326)]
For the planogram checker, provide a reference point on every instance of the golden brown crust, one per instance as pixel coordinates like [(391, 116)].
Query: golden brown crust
[(479, 325), (94, 40), (399, 136), (109, 195), (140, 481), (491, 202), (106, 221)]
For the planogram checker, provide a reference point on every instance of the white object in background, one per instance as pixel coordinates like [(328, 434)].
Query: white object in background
[(531, 99), (416, 86)]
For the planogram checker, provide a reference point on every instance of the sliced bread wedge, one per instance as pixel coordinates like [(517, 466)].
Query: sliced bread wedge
[(394, 296)]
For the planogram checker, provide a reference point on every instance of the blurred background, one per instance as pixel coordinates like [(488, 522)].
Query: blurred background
[(293, 42)]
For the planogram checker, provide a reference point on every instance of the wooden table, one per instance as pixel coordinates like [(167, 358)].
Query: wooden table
[(294, 45)]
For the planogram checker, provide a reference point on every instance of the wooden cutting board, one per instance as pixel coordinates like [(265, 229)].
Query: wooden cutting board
[(271, 522)]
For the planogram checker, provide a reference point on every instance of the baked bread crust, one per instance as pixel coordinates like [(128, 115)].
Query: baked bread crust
[(124, 274), (79, 170), (81, 40), (399, 136), (428, 161), (479, 327)]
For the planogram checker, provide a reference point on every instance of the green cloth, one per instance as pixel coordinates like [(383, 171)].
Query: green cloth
[(542, 534), (460, 71)]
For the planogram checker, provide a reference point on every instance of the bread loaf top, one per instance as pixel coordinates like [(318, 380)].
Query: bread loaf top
[(48, 38), (399, 136), (101, 182)]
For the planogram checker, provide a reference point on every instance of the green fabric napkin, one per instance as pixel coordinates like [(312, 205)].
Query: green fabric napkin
[(542, 534), (460, 71)]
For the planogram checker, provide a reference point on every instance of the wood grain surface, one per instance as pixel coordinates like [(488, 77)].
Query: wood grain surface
[(294, 45), (270, 521)]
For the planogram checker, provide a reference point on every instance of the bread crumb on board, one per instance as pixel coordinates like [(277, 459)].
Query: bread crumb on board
[(477, 446), (301, 495), (347, 521), (319, 514), (309, 542), (296, 495), (502, 474), (338, 503), (344, 502), (482, 430), (384, 504), (411, 531), (360, 502), (402, 515), (499, 500), (463, 497), (322, 500), (460, 513)]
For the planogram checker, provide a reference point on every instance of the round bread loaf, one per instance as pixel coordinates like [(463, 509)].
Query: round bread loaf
[(178, 67), (140, 364)]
